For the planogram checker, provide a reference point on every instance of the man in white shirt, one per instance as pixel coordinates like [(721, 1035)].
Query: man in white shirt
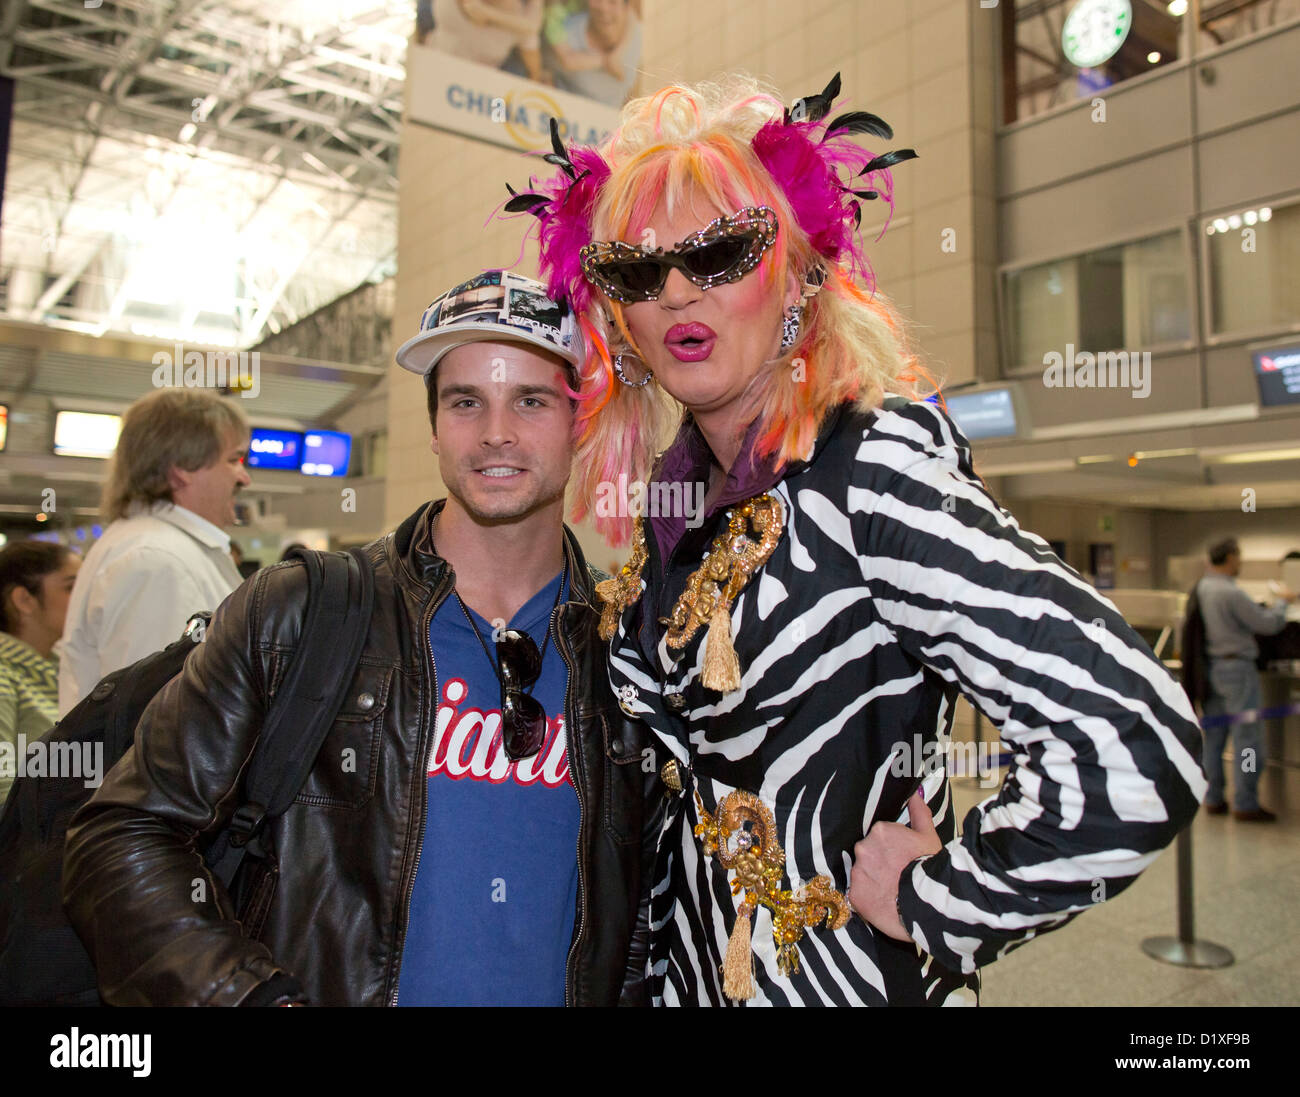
[(171, 487)]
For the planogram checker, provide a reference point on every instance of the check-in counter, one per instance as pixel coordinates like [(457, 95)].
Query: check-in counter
[(1158, 616), (1280, 686)]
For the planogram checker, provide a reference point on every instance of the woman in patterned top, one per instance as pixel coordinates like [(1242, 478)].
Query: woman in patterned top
[(35, 584), (798, 642)]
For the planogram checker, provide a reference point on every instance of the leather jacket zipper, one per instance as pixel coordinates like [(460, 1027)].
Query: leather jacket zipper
[(571, 732), (404, 909)]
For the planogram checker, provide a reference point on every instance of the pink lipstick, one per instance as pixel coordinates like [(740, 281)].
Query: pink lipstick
[(690, 342)]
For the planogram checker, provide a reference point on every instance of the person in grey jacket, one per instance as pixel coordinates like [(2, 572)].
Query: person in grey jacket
[(1232, 621)]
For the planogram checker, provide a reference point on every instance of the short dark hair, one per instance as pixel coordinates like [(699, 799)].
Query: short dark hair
[(1225, 548), (431, 389), (24, 564)]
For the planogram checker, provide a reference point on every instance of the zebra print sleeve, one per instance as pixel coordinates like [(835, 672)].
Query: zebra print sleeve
[(1106, 747)]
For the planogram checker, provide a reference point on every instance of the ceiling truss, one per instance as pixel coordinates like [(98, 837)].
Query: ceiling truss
[(277, 125)]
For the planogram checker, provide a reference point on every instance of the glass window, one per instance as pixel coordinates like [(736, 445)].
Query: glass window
[(1253, 260), (370, 455), (1072, 49), (378, 463), (1224, 22), (1132, 296)]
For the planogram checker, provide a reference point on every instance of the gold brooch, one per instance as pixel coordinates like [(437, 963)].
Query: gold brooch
[(743, 835), (753, 530), (625, 588)]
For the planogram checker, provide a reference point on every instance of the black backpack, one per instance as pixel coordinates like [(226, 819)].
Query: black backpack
[(1196, 664), (42, 961)]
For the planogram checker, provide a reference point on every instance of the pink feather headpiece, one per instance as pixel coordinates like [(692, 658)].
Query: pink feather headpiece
[(809, 168), (805, 158), (563, 206)]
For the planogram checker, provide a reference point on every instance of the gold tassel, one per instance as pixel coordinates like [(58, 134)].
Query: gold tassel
[(737, 967), (721, 667), (608, 591)]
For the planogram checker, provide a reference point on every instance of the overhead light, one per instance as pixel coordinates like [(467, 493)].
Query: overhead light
[(1250, 217), (1209, 230), (1234, 222), (1221, 224), (1154, 57), (1266, 214), (1253, 457), (1177, 8), (1096, 459), (1156, 454), (1024, 468), (1168, 420)]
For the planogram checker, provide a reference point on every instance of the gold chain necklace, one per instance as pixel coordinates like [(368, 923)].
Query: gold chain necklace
[(753, 530)]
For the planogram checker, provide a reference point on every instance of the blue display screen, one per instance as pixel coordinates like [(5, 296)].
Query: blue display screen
[(326, 453), (275, 449), (989, 414)]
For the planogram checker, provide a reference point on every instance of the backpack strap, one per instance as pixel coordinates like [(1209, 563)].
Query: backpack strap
[(340, 599)]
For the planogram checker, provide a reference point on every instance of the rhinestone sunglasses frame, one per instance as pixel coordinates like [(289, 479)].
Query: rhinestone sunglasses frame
[(757, 223)]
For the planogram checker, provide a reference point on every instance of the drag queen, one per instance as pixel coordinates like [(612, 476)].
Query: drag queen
[(798, 652)]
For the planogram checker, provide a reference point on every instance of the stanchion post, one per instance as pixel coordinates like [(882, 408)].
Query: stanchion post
[(1185, 950)]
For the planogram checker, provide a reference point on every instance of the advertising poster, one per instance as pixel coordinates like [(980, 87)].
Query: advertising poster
[(499, 70)]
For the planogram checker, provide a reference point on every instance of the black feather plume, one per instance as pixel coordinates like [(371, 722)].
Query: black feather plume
[(560, 157), (521, 203), (889, 159), (816, 107), (859, 121)]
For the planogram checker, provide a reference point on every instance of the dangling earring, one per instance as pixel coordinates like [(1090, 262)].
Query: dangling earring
[(618, 372), (790, 327)]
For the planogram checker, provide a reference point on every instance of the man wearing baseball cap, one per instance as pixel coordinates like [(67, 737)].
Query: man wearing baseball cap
[(491, 854)]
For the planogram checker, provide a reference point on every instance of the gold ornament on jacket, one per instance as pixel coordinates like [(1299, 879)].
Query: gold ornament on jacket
[(752, 532), (744, 837)]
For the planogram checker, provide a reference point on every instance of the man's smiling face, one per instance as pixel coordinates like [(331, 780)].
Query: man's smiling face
[(504, 428)]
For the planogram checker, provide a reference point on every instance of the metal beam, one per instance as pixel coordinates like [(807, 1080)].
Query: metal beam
[(317, 105), (265, 308)]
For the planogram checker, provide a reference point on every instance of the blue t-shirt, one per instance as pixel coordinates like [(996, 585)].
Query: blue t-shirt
[(496, 889)]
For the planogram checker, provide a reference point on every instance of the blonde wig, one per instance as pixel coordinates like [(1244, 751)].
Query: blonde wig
[(730, 144)]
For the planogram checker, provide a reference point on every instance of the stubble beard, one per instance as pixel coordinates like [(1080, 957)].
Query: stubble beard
[(486, 509)]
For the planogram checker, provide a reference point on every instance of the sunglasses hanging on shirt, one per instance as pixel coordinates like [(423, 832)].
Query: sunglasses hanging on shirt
[(517, 666)]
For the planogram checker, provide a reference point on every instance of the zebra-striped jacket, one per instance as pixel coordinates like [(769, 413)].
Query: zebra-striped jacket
[(898, 582)]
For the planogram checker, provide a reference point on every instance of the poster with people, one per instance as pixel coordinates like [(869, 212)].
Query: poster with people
[(500, 70), (585, 47)]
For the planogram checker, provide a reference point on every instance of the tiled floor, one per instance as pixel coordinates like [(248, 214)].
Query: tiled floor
[(1247, 888)]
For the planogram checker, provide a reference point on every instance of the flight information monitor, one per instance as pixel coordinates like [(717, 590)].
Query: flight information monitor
[(275, 449), (326, 453), (990, 413), (1277, 373)]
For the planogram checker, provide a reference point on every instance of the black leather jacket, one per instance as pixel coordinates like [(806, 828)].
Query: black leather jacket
[(162, 930)]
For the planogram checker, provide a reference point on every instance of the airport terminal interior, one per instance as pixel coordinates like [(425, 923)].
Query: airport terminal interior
[(1097, 251)]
